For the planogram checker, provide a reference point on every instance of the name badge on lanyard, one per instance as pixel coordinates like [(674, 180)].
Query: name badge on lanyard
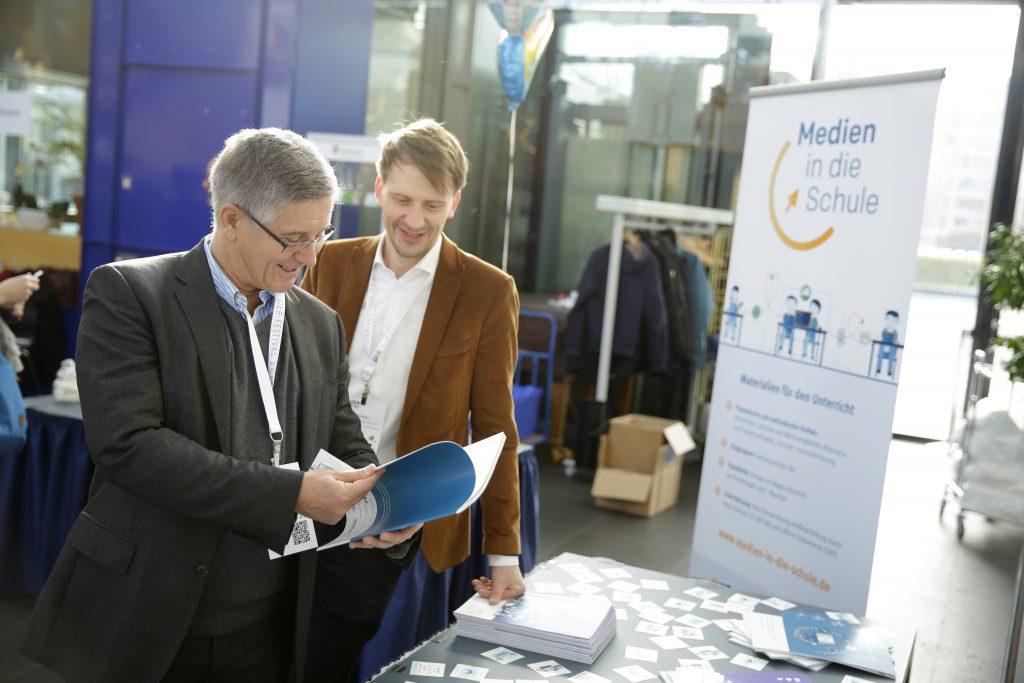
[(266, 370), (371, 418), (371, 413)]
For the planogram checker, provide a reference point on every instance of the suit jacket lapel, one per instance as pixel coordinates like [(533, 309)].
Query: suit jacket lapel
[(354, 286), (443, 294), (199, 300), (311, 377)]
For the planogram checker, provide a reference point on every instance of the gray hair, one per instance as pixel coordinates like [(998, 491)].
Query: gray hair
[(262, 170)]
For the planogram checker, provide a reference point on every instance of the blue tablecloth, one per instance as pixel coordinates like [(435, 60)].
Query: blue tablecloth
[(424, 600), (42, 490)]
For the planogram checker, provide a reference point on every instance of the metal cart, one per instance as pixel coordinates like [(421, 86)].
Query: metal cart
[(987, 447)]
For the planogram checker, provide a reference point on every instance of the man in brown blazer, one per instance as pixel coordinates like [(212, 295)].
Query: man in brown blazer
[(432, 348)]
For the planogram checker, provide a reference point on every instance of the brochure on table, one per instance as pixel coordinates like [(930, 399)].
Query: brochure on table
[(810, 349), (435, 481), (821, 636)]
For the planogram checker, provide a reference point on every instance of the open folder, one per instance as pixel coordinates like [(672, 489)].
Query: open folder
[(438, 480)]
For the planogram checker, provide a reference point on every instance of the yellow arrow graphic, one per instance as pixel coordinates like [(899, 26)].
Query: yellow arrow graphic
[(787, 240)]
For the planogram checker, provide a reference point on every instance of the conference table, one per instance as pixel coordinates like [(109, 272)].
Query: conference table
[(42, 490), (668, 591)]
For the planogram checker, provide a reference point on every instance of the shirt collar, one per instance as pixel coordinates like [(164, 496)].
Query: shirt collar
[(227, 290), (428, 264)]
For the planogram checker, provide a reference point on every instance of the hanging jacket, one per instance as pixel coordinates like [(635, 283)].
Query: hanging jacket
[(640, 311), (677, 306), (698, 291)]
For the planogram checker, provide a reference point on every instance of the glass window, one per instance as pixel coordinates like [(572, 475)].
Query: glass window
[(44, 64)]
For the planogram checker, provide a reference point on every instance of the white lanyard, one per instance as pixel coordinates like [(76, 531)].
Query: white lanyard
[(371, 303), (265, 371)]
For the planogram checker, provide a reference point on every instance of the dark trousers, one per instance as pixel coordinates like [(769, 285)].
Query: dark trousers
[(353, 588), (258, 653)]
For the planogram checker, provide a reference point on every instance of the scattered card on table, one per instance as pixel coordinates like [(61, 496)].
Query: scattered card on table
[(651, 629), (642, 653), (853, 679), (688, 632), (588, 677), (701, 593), (745, 660), (620, 596), (693, 621), (715, 606), (727, 625), (435, 669), (645, 606), (624, 586), (779, 604), (616, 573), (634, 673), (548, 587), (549, 668), (654, 584), (709, 652), (669, 642), (588, 577), (676, 603), (743, 599), (657, 617), (695, 665), (584, 588), (469, 673), (502, 655), (621, 614)]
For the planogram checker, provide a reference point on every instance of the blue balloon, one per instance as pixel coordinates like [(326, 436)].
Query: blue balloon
[(511, 67)]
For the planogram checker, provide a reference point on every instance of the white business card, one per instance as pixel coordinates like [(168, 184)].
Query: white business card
[(434, 669)]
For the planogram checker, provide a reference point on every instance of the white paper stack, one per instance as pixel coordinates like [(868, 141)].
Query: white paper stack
[(559, 626)]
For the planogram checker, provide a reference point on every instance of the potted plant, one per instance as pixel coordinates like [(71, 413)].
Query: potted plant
[(1003, 279)]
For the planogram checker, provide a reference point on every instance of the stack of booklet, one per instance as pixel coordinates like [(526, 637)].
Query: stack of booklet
[(814, 639), (560, 626)]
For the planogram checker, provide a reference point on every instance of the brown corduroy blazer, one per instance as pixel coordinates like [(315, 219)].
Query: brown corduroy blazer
[(461, 373)]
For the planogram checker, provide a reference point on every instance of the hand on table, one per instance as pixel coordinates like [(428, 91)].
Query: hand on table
[(506, 583)]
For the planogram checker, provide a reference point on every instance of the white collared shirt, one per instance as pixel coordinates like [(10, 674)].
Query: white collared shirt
[(391, 297), (394, 298)]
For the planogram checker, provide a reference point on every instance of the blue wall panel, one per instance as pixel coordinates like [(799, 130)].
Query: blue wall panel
[(171, 80), (223, 34), (174, 120), (332, 69), (279, 63), (104, 102)]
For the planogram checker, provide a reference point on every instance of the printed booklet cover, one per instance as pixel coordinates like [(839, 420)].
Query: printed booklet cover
[(457, 476), (822, 636)]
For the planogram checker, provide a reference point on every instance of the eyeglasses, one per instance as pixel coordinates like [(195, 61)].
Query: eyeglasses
[(291, 247)]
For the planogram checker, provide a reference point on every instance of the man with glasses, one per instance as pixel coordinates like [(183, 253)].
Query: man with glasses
[(432, 342), (203, 376)]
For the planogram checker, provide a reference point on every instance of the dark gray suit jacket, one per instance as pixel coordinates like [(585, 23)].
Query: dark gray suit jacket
[(154, 378)]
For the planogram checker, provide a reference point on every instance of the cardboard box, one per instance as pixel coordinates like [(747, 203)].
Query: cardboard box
[(639, 464)]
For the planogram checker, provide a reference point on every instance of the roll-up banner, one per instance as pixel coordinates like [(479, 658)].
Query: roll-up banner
[(820, 276)]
